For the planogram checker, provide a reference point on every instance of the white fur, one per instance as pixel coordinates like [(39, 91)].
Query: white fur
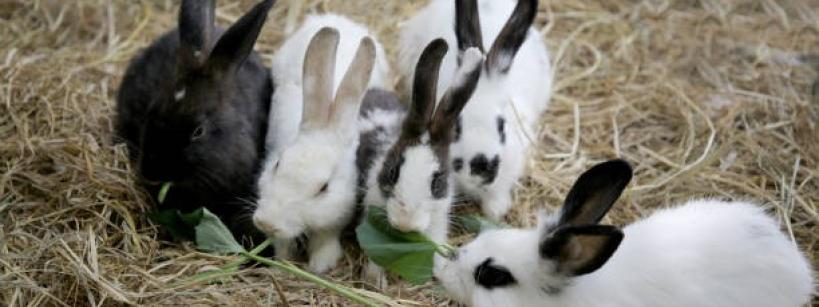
[(289, 202), (519, 97), (705, 253)]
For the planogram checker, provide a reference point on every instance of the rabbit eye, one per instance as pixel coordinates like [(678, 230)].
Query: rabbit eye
[(198, 133), (491, 276)]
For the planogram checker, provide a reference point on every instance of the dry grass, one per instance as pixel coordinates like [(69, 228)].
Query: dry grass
[(705, 98)]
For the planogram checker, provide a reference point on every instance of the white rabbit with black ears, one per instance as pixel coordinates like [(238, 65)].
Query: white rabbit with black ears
[(702, 253), (308, 184), (495, 130), (411, 177)]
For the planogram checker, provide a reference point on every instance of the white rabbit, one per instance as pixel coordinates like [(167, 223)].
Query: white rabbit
[(495, 129), (702, 253), (411, 177), (308, 183)]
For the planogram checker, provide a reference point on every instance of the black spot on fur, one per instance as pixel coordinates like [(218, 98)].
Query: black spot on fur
[(439, 184), (458, 164), (457, 134), (491, 276), (374, 143), (482, 167), (501, 130), (390, 173)]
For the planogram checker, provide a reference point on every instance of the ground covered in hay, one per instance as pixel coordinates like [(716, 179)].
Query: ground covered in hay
[(706, 99)]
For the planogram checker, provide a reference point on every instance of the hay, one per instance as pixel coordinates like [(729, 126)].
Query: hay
[(707, 99)]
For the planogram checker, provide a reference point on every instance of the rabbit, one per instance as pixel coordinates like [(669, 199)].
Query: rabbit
[(192, 109), (494, 131), (308, 185), (703, 253), (411, 178)]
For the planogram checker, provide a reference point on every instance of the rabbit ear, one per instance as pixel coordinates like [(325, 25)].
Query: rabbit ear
[(424, 89), (196, 19), (353, 85), (580, 250), (595, 192), (456, 97), (284, 118), (468, 25), (236, 44), (317, 78), (512, 36)]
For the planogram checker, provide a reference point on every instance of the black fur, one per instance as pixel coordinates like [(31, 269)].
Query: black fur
[(456, 136), (501, 123), (209, 143), (457, 164), (374, 143), (512, 36), (483, 167), (593, 194), (556, 247), (468, 26), (439, 185), (489, 276)]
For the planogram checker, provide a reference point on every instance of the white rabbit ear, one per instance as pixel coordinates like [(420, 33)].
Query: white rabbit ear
[(317, 78), (580, 250), (284, 119), (344, 110), (511, 37), (595, 192)]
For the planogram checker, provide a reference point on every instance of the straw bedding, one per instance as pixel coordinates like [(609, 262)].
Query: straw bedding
[(706, 98)]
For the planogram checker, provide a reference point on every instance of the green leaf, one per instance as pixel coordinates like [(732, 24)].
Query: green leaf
[(172, 221), (163, 192), (214, 237), (475, 224), (410, 255)]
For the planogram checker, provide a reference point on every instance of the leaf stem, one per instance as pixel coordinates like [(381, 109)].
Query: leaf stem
[(226, 269), (287, 267)]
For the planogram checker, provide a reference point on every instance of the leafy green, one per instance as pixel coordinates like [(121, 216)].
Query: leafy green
[(408, 254), (475, 224), (163, 192), (180, 226), (214, 237)]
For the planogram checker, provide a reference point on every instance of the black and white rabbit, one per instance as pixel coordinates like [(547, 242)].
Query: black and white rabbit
[(496, 128), (192, 109), (411, 179), (701, 253)]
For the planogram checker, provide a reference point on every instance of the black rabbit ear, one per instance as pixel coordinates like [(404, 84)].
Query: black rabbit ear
[(236, 44), (595, 192), (468, 25), (580, 250), (424, 89), (512, 36), (196, 18), (455, 98)]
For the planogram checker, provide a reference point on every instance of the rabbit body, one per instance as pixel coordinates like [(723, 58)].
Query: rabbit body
[(308, 185), (496, 128), (703, 253), (192, 110)]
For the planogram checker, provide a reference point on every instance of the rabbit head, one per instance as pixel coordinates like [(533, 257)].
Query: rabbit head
[(309, 179), (481, 133), (414, 178), (509, 266), (195, 121)]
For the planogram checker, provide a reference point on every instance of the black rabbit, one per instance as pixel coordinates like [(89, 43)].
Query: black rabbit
[(193, 108)]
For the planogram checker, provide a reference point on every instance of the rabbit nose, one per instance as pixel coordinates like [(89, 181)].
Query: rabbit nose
[(266, 227)]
